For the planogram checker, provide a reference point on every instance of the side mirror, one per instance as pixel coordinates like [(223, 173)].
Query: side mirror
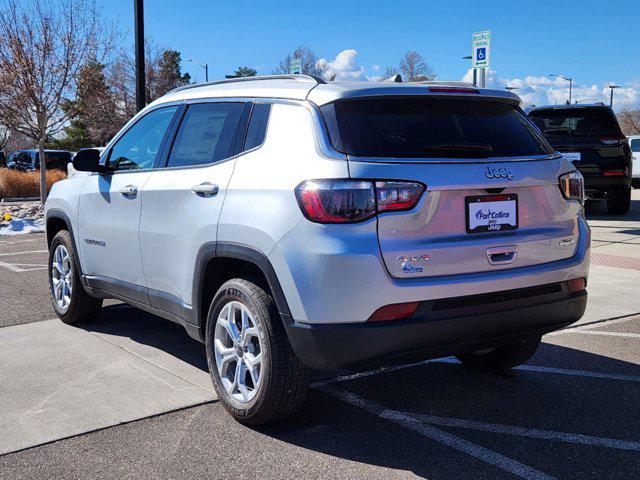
[(88, 161)]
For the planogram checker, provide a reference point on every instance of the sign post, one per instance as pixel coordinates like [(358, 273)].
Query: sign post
[(296, 66), (481, 53)]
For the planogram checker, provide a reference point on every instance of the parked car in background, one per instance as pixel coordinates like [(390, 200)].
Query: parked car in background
[(3, 160), (11, 159), (590, 136), (634, 144), (29, 160)]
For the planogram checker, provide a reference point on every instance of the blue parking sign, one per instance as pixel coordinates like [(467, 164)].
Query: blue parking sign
[(481, 54)]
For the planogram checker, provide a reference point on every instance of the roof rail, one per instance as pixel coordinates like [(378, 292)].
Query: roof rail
[(297, 77)]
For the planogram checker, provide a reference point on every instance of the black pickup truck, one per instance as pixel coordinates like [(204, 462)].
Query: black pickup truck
[(590, 136)]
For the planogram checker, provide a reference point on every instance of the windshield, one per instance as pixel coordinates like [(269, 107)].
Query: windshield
[(422, 127), (576, 121)]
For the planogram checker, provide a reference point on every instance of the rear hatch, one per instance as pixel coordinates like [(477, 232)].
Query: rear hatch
[(492, 199), (590, 135)]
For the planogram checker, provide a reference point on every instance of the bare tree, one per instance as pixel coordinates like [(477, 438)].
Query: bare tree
[(5, 135), (414, 68), (630, 121), (308, 60), (43, 45)]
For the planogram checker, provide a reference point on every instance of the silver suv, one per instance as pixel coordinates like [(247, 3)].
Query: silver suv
[(291, 224)]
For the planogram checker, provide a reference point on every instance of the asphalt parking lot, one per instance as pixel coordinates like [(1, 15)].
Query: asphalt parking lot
[(128, 395)]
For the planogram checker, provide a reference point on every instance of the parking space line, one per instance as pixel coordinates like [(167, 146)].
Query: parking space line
[(607, 334), (596, 324), (525, 368), (481, 453), (11, 267), (518, 431), (22, 253)]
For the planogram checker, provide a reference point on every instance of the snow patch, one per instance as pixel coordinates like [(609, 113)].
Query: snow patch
[(20, 226)]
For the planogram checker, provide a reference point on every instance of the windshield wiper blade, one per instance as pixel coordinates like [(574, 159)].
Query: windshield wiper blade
[(475, 149), (557, 130)]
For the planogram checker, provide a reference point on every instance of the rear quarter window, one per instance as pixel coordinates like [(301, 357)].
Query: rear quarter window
[(423, 127)]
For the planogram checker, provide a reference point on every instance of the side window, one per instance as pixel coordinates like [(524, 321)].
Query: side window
[(139, 146), (206, 134), (257, 125)]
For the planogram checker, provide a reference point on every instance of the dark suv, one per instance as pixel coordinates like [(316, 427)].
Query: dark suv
[(589, 136), (29, 160)]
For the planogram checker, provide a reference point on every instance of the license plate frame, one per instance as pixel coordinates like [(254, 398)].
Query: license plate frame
[(487, 199)]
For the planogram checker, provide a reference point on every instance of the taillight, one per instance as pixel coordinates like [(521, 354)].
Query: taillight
[(613, 139), (572, 186), (350, 201), (614, 173)]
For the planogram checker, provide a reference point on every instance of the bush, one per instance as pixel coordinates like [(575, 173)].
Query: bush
[(14, 183)]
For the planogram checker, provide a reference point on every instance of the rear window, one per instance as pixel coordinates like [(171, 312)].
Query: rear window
[(576, 121), (431, 128), (635, 145)]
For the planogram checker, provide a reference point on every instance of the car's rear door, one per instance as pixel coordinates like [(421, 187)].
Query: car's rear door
[(181, 203), (477, 158)]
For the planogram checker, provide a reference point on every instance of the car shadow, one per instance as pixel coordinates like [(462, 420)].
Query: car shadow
[(597, 210), (537, 400)]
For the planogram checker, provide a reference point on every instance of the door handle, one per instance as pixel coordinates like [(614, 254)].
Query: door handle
[(502, 255), (129, 191), (205, 189)]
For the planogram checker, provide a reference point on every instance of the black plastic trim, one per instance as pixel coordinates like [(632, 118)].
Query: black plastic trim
[(61, 215), (122, 289)]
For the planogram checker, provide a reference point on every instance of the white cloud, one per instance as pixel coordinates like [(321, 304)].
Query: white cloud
[(375, 68), (554, 90), (344, 66)]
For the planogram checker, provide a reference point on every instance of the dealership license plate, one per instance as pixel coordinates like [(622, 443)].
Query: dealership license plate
[(492, 213)]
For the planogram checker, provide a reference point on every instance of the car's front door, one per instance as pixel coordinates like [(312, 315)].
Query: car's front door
[(109, 211), (181, 203)]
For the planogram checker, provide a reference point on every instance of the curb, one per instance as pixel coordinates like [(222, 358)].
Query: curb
[(17, 200)]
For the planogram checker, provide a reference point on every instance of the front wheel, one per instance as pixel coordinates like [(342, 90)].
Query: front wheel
[(255, 372), (70, 302), (500, 358), (620, 201)]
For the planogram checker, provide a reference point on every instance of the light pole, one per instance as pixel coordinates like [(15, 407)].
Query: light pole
[(138, 10), (612, 86), (475, 71), (205, 66), (568, 79)]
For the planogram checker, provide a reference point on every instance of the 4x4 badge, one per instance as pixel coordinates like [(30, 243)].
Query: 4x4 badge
[(491, 172)]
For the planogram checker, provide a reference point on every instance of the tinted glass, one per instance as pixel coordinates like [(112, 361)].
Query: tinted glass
[(576, 121), (430, 128), (257, 125), (139, 146), (206, 134), (55, 159), (635, 145)]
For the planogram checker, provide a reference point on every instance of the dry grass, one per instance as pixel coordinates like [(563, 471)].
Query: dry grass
[(14, 183)]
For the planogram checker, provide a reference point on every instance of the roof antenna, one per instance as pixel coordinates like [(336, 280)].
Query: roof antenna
[(397, 78)]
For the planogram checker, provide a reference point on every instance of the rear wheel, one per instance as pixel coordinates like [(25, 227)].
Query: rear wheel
[(635, 183), (620, 201), (70, 302), (255, 372), (500, 358)]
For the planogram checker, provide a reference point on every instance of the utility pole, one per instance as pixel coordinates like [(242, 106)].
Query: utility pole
[(138, 8), (612, 87)]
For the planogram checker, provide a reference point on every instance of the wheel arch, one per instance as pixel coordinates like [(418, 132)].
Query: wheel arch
[(55, 221), (236, 260)]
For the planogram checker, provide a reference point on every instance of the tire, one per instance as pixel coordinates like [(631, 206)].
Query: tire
[(635, 183), (500, 358), (81, 307), (282, 383), (620, 201)]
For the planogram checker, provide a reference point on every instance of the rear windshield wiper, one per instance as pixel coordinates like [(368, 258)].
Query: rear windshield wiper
[(469, 149), (557, 130)]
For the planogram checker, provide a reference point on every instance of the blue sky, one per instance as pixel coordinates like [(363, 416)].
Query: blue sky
[(596, 42)]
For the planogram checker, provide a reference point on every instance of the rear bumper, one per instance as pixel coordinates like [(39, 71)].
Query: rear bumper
[(440, 328), (606, 183)]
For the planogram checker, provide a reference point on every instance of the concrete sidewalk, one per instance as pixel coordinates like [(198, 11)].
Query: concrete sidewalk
[(60, 381)]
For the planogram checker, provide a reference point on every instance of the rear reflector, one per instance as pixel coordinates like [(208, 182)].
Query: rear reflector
[(577, 284), (394, 312), (613, 173)]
